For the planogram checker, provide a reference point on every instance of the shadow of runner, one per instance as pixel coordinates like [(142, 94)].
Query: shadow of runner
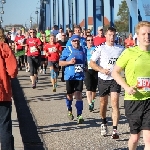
[(28, 129)]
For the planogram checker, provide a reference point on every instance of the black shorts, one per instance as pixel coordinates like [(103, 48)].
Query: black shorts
[(138, 115), (91, 80), (55, 64), (105, 87), (43, 59), (74, 85)]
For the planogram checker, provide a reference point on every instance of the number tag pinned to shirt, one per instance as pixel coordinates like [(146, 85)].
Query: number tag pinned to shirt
[(78, 68), (33, 49), (143, 83)]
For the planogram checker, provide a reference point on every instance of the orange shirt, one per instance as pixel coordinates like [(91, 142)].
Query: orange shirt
[(129, 43)]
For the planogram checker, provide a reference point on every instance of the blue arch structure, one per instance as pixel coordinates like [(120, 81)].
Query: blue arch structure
[(139, 10)]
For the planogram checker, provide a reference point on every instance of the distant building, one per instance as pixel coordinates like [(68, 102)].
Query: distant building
[(90, 22), (9, 27)]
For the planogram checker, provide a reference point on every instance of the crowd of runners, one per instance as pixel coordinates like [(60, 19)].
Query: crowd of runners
[(96, 61)]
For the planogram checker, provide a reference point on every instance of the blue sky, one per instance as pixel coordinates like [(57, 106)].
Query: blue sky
[(19, 11)]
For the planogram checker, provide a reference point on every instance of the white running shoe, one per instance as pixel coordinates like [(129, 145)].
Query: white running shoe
[(104, 129), (26, 69)]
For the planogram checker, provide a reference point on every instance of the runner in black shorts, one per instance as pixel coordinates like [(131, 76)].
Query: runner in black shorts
[(73, 58), (136, 63), (107, 55), (91, 76)]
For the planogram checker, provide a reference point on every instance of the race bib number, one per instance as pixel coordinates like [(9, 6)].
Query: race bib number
[(20, 41), (42, 52), (52, 50), (78, 68), (143, 83), (33, 49)]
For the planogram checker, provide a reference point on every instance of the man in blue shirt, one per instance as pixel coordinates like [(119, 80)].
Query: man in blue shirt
[(77, 31), (73, 58)]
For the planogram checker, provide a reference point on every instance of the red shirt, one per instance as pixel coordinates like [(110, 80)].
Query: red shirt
[(129, 43), (98, 40), (33, 44), (19, 40), (53, 51)]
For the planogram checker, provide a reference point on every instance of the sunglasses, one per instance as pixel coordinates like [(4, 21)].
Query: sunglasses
[(90, 40), (32, 32), (63, 35), (75, 41)]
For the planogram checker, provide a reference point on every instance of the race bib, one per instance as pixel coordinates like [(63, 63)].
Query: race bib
[(20, 41), (52, 50), (78, 68), (33, 49), (42, 52), (143, 83)]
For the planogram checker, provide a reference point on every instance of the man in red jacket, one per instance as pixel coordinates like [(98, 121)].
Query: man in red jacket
[(8, 65)]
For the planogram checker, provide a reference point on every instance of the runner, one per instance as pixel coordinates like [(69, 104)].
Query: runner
[(33, 45), (73, 58), (136, 63), (107, 55), (53, 51), (129, 42), (77, 31), (100, 38), (19, 47), (43, 55), (63, 43), (91, 76)]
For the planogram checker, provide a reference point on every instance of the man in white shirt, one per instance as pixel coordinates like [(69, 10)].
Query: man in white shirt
[(107, 55), (13, 34), (58, 36)]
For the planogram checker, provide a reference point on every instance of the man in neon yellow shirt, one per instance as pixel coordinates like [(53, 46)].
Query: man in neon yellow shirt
[(136, 63)]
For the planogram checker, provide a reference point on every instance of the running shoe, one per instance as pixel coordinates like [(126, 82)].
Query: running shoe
[(70, 116), (91, 107), (54, 89), (104, 129), (115, 134), (33, 86), (93, 102), (26, 69), (80, 119)]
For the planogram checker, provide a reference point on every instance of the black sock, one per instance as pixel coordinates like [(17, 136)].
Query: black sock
[(114, 127), (70, 109), (104, 121)]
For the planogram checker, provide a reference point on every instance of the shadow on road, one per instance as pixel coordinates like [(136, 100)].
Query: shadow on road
[(28, 129)]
